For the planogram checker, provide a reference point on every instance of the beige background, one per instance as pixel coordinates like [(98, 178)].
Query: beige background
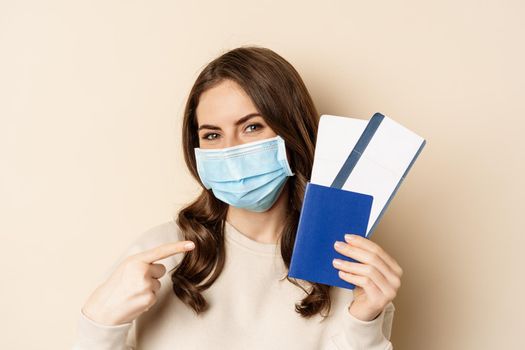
[(91, 100)]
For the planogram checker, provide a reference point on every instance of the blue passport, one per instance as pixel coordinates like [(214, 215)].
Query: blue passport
[(327, 214)]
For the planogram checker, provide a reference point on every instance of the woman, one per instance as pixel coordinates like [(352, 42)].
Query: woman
[(248, 138)]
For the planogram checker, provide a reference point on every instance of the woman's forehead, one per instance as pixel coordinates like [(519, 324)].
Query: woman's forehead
[(224, 104)]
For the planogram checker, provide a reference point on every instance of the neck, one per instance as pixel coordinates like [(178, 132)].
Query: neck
[(263, 227)]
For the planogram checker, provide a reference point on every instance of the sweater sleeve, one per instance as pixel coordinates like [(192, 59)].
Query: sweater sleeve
[(370, 335), (92, 335)]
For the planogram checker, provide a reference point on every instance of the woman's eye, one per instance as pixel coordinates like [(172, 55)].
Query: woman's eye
[(210, 136), (253, 127)]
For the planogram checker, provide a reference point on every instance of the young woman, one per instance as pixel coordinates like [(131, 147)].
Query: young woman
[(248, 138)]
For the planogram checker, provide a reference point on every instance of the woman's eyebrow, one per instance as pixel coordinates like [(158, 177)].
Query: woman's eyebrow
[(238, 122)]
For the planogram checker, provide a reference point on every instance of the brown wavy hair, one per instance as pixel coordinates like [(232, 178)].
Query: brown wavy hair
[(281, 97)]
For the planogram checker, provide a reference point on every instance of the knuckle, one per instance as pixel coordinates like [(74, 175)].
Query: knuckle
[(148, 284), (367, 281), (132, 268), (137, 266), (129, 261), (397, 282), (368, 269), (149, 298), (141, 273), (144, 269), (390, 295), (377, 250), (373, 259), (346, 248), (145, 284)]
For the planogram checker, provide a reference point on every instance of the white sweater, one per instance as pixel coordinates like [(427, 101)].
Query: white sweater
[(251, 307)]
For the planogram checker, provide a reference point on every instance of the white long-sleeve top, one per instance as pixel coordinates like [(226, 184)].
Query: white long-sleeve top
[(251, 307)]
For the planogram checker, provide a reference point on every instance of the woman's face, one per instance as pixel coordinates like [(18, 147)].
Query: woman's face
[(226, 116)]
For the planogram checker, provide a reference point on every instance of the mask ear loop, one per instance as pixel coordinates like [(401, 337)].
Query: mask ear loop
[(200, 169), (283, 157)]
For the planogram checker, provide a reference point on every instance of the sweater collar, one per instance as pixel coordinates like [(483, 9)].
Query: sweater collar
[(240, 238)]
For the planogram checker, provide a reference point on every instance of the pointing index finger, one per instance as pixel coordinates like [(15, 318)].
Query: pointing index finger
[(165, 250)]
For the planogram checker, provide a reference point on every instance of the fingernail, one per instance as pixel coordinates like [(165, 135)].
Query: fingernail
[(190, 245), (338, 244), (349, 237), (337, 262)]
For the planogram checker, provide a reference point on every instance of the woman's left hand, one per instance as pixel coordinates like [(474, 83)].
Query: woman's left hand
[(376, 275)]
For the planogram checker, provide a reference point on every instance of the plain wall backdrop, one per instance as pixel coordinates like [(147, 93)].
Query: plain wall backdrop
[(91, 100)]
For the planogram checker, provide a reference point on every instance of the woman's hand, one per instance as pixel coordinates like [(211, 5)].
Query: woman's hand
[(130, 289), (377, 278)]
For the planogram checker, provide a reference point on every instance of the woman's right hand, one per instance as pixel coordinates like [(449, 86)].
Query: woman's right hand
[(131, 289)]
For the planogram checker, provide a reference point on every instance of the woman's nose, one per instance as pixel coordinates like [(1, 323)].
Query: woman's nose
[(232, 141)]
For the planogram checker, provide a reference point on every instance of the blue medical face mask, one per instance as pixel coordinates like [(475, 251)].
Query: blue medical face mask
[(249, 176)]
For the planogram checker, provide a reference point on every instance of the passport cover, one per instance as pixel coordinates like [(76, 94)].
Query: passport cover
[(327, 214)]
